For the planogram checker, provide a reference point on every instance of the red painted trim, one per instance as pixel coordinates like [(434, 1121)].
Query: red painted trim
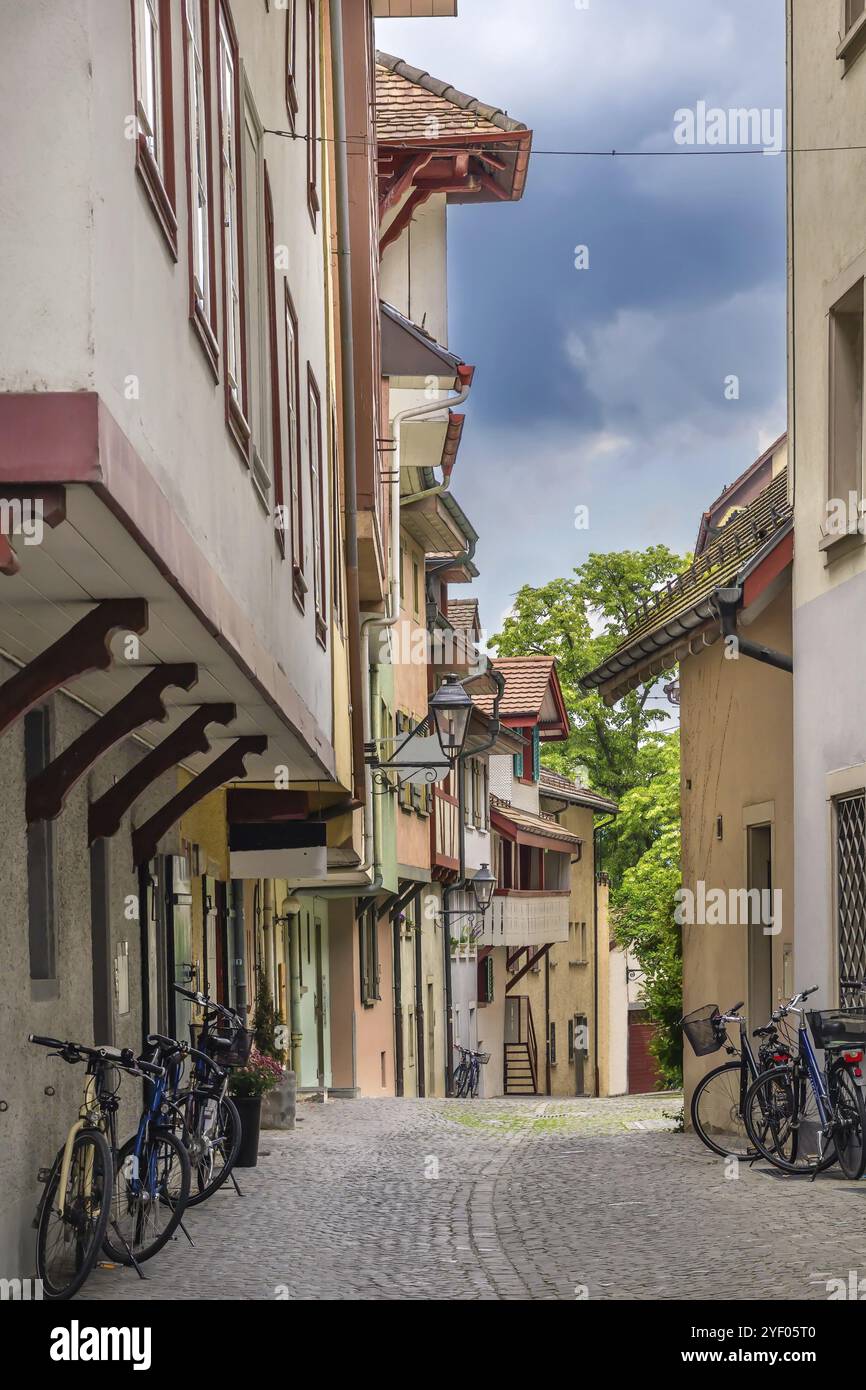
[(499, 821), (236, 420), (769, 569), (9, 563), (313, 150), (317, 493), (49, 437), (159, 181), (291, 59)]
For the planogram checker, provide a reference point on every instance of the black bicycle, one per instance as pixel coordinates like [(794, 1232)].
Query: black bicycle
[(467, 1076), (719, 1100), (206, 1116)]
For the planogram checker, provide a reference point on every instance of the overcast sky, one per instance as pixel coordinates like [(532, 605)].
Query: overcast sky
[(605, 387)]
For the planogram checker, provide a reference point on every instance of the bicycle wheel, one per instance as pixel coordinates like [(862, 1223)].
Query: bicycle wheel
[(784, 1124), (212, 1138), (474, 1080), (717, 1114), (150, 1196), (849, 1115), (68, 1245), (461, 1078)]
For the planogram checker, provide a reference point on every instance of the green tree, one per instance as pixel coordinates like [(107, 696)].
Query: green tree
[(644, 902)]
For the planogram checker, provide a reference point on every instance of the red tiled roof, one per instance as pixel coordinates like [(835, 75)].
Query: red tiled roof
[(556, 785), (526, 682), (463, 613), (409, 100)]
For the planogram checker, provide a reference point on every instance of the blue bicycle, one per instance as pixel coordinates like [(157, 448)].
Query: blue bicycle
[(152, 1171), (803, 1117)]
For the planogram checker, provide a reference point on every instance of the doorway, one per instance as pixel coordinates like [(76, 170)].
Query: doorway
[(760, 947)]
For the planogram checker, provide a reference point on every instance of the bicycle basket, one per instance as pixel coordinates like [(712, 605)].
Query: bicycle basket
[(235, 1054), (704, 1030), (483, 1058), (838, 1027)]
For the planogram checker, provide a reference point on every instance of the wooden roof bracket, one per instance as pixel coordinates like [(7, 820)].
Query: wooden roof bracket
[(47, 792), (228, 767), (84, 648), (533, 960), (106, 813)]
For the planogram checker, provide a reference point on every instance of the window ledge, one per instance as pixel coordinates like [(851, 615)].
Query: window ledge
[(299, 587), (836, 547), (321, 631), (151, 177), (854, 41), (206, 337), (238, 427)]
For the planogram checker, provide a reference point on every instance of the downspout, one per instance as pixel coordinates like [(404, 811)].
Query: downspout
[(595, 1048), (347, 364), (267, 933), (238, 938), (727, 602), (291, 916), (547, 1021)]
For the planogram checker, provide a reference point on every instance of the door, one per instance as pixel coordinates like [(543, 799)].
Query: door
[(176, 930), (431, 1042), (578, 1039), (760, 948), (320, 1006)]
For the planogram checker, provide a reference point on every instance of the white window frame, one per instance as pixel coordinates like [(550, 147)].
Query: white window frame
[(200, 210), (148, 96), (231, 177)]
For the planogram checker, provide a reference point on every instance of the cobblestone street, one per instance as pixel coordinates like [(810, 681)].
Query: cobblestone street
[(506, 1199)]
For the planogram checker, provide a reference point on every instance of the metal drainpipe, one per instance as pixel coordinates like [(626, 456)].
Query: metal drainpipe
[(727, 602), (239, 941), (267, 932), (595, 1048), (547, 1020), (347, 361), (295, 991)]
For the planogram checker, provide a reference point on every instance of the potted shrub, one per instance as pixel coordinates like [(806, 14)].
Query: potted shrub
[(247, 1087)]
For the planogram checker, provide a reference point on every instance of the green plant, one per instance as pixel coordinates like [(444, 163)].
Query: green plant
[(260, 1075), (266, 1021)]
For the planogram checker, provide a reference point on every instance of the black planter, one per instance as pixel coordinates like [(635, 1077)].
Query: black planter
[(250, 1111)]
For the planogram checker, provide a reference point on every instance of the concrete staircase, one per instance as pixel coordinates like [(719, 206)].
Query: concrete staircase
[(518, 1070)]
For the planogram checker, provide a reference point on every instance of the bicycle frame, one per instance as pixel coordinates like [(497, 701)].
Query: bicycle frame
[(149, 1118), (89, 1117), (814, 1071)]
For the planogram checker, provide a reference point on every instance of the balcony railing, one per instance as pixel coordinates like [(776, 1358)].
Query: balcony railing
[(525, 919)]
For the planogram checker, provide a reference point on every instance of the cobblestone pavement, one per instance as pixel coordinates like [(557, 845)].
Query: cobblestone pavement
[(505, 1199)]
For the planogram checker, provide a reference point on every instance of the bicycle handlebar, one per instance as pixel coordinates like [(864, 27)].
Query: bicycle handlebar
[(121, 1057), (205, 1002)]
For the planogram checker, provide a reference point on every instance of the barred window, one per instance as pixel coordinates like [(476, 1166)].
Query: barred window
[(851, 885)]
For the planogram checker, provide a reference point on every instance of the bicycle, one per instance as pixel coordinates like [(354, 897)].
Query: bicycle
[(152, 1171), (208, 1117), (718, 1100), (468, 1074), (75, 1208), (816, 1115)]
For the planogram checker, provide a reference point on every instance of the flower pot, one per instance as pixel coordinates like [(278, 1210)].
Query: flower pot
[(250, 1111)]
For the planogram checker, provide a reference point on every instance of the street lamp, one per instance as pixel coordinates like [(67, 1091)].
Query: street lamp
[(483, 885), (451, 708)]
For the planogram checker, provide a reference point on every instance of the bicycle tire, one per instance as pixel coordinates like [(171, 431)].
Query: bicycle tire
[(852, 1156), (773, 1097), (712, 1094), (86, 1260), (116, 1242), (229, 1127), (461, 1077)]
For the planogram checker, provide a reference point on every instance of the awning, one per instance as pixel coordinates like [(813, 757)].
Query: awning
[(524, 828)]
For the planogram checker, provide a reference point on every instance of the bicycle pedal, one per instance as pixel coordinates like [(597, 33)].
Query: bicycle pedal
[(107, 1264), (43, 1174)]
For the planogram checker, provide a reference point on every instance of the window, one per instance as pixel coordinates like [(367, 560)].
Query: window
[(571, 1040), (402, 725), (153, 110), (199, 140), (846, 396), (312, 111), (416, 589), (368, 934), (853, 10), (851, 885), (41, 902), (317, 495), (291, 50), (485, 980), (552, 1043), (337, 532), (411, 1037), (257, 275), (234, 328), (293, 392), (273, 358)]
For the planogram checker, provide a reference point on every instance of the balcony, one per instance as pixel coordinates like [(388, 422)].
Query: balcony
[(526, 919)]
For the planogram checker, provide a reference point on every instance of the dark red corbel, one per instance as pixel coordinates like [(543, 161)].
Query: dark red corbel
[(47, 792), (228, 767), (84, 648), (107, 812)]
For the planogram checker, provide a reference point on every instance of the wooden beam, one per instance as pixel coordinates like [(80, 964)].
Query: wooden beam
[(84, 648), (533, 960), (402, 182), (262, 805), (9, 563), (47, 792), (404, 217), (107, 812), (228, 767)]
